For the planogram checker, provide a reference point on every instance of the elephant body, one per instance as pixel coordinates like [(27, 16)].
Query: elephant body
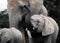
[(37, 7), (20, 14), (11, 35), (44, 28)]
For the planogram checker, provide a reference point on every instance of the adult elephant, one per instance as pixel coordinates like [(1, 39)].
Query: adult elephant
[(45, 29), (11, 35), (20, 11)]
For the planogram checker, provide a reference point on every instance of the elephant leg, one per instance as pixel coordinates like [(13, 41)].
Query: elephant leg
[(54, 36), (51, 38), (48, 39), (19, 41), (30, 40)]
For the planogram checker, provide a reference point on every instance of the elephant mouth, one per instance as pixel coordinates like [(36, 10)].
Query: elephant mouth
[(34, 28), (36, 33)]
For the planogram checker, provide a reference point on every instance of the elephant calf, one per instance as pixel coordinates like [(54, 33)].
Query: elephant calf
[(46, 27), (11, 35)]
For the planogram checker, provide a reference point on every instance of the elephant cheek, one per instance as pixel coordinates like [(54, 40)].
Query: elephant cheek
[(34, 25), (39, 29)]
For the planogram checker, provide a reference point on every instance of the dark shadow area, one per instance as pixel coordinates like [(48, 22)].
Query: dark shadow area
[(4, 20)]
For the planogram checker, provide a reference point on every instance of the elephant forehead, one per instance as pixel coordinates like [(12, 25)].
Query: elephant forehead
[(37, 17), (34, 17)]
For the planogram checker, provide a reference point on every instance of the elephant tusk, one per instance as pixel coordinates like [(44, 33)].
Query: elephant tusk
[(33, 28), (28, 33)]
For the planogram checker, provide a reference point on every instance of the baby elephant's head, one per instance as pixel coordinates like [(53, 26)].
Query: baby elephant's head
[(37, 22)]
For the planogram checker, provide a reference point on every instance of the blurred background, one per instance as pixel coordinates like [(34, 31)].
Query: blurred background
[(53, 7)]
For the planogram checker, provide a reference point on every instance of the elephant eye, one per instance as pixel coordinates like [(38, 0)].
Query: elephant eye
[(38, 21)]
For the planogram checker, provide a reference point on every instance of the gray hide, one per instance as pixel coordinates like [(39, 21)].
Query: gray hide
[(11, 35), (45, 27), (17, 11)]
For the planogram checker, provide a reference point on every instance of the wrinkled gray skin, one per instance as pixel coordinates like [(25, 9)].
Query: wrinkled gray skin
[(16, 10), (11, 35), (39, 25)]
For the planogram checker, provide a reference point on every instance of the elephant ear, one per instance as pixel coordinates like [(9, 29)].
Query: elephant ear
[(48, 27)]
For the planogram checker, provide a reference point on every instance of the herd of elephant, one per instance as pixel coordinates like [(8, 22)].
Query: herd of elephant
[(29, 23)]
